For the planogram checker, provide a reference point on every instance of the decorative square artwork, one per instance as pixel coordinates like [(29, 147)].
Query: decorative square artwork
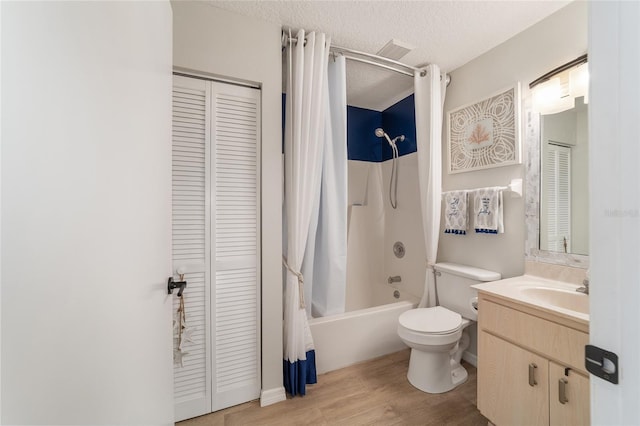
[(485, 134)]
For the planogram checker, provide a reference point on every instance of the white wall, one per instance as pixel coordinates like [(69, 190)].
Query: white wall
[(546, 45), (86, 206), (0, 218), (554, 41), (224, 44)]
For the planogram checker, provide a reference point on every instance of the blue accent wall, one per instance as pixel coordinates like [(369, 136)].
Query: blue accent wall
[(399, 119), (362, 143)]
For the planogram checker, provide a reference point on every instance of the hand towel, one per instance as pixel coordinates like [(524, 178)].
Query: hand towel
[(456, 212), (487, 209)]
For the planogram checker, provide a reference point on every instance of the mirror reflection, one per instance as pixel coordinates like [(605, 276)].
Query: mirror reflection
[(564, 192), (561, 97)]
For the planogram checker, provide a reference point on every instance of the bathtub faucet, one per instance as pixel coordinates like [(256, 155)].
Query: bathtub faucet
[(395, 279)]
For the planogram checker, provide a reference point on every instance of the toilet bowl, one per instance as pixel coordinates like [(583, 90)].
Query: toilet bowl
[(437, 335)]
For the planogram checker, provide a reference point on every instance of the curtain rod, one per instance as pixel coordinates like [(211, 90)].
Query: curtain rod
[(388, 67), (339, 49), (343, 50)]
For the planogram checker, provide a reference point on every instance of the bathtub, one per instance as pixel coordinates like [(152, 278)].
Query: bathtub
[(345, 339)]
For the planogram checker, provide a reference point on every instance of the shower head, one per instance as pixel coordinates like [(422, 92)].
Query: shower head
[(382, 134)]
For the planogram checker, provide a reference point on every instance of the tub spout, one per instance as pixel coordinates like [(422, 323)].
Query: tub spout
[(395, 279)]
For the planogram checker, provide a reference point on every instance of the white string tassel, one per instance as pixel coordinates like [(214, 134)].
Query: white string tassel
[(300, 282)]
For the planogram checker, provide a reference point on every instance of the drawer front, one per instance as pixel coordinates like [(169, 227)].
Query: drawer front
[(555, 341)]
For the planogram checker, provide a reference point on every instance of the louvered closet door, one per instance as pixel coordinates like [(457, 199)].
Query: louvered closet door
[(216, 229), (191, 244), (235, 195), (556, 179)]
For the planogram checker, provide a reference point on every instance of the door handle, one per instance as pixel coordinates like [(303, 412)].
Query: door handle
[(171, 285), (532, 374), (562, 390)]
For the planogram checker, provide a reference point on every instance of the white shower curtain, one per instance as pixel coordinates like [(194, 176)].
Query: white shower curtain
[(325, 261), (429, 102), (304, 144)]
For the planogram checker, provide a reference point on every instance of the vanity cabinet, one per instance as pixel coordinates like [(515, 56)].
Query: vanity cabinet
[(530, 366)]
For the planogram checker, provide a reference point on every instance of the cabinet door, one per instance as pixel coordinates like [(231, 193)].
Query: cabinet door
[(572, 408), (505, 394)]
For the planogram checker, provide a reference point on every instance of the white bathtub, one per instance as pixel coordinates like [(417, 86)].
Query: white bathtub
[(345, 339)]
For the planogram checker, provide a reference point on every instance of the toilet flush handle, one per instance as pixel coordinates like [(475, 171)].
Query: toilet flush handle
[(474, 303)]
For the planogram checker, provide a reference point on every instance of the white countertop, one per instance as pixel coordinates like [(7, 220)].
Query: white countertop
[(555, 297)]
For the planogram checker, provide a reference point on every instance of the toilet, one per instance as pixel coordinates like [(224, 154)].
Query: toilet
[(437, 335)]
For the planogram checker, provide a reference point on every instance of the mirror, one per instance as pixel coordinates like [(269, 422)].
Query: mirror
[(564, 190), (556, 172)]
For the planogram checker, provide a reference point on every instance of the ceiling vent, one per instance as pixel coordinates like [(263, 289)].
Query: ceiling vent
[(395, 49)]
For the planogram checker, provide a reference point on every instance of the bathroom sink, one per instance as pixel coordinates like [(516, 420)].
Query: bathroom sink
[(564, 299), (556, 297)]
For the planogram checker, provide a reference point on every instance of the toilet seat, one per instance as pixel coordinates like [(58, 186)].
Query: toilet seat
[(434, 321)]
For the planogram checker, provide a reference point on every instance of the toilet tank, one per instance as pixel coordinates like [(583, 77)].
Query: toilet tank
[(453, 285)]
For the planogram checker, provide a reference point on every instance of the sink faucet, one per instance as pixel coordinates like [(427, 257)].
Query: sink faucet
[(585, 287)]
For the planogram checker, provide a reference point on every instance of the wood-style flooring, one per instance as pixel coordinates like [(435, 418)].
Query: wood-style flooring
[(374, 392)]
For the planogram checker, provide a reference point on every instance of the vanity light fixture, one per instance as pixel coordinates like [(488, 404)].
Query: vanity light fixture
[(579, 82), (556, 90)]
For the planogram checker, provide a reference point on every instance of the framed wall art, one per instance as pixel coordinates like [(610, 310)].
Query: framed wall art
[(486, 133)]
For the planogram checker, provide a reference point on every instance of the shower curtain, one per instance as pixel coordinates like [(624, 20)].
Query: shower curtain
[(309, 150), (429, 101), (325, 262)]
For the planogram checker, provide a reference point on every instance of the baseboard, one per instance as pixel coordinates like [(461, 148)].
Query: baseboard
[(470, 358), (271, 396)]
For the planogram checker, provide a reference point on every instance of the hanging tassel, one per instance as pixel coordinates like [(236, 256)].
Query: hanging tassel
[(184, 334), (181, 321), (300, 283)]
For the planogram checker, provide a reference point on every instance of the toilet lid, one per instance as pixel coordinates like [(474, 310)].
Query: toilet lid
[(437, 320)]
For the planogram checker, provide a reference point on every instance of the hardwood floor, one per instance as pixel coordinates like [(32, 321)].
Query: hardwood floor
[(375, 392)]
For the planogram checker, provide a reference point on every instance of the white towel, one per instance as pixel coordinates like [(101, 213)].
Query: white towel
[(456, 213), (487, 209)]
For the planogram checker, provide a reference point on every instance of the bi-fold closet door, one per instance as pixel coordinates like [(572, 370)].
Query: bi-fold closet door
[(216, 243)]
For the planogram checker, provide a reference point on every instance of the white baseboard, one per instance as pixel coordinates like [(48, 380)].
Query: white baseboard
[(470, 358), (271, 396)]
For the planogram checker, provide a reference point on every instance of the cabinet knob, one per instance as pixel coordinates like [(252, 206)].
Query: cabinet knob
[(532, 374)]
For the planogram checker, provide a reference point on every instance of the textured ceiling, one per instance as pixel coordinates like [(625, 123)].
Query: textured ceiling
[(448, 33)]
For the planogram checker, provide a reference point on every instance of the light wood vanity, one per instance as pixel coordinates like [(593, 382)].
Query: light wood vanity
[(530, 357)]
